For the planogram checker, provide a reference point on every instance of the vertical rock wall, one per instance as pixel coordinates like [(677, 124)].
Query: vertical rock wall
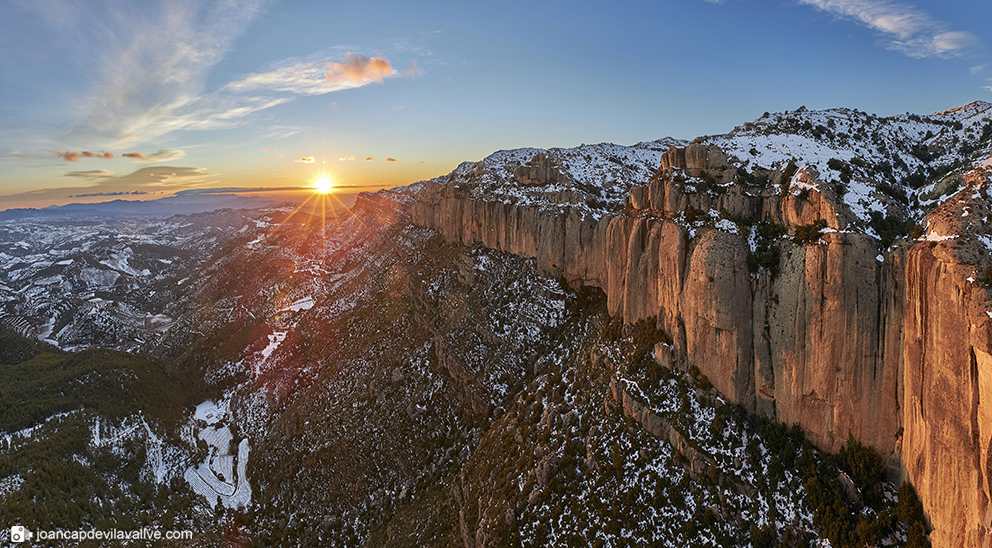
[(948, 395)]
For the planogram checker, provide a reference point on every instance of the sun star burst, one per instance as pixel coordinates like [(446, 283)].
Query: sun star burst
[(323, 185)]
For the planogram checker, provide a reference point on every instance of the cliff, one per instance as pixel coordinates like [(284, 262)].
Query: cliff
[(801, 344), (796, 283)]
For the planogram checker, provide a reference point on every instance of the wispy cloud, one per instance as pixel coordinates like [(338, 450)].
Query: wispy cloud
[(121, 193), (412, 70), (151, 61), (350, 158), (977, 69), (316, 77), (905, 28), (164, 179), (91, 174), (166, 155), (306, 160), (162, 176), (153, 70)]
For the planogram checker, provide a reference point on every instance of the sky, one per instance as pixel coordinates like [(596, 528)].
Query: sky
[(137, 100)]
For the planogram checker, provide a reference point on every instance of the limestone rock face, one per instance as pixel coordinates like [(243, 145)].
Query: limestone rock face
[(694, 158), (816, 204), (539, 171), (716, 305), (824, 341), (947, 357)]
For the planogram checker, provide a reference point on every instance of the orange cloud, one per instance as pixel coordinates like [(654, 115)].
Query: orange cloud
[(105, 155), (281, 155), (68, 156), (350, 158), (359, 68), (267, 149), (390, 159), (73, 156), (369, 159), (135, 155), (412, 70), (306, 160)]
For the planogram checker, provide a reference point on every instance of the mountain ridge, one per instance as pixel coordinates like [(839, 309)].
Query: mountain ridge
[(830, 333)]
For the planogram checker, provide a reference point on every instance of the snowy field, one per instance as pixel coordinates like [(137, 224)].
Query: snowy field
[(222, 475)]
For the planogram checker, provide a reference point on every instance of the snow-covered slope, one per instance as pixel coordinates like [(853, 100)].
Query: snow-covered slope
[(595, 178)]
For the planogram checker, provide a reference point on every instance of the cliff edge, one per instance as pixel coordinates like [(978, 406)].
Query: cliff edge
[(826, 268)]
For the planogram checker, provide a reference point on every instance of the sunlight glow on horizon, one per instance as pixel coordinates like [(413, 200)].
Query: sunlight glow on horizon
[(323, 184)]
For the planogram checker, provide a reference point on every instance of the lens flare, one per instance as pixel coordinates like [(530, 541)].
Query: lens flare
[(323, 185)]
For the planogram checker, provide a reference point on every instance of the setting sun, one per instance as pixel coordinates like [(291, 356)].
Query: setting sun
[(323, 185)]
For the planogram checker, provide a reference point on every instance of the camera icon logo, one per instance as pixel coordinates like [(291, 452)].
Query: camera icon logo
[(19, 533)]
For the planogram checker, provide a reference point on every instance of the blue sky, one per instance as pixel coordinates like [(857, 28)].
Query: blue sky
[(232, 93)]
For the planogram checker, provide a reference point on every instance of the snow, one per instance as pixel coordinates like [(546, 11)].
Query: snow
[(29, 431), (934, 237), (154, 457), (305, 303), (119, 262), (601, 175), (861, 142), (11, 484), (221, 474), (210, 412), (727, 226), (46, 331), (275, 339), (94, 277)]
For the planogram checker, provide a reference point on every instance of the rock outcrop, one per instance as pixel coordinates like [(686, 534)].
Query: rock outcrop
[(539, 171), (892, 347)]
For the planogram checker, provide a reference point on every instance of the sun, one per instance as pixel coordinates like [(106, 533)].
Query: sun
[(323, 185)]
